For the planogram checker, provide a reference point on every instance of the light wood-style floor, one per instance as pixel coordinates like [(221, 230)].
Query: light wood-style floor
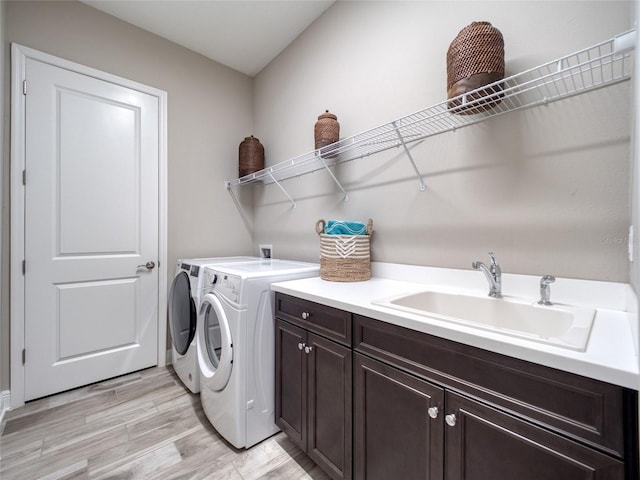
[(145, 425)]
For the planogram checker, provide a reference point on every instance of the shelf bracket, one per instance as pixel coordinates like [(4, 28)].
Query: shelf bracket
[(326, 167), (293, 202), (406, 150)]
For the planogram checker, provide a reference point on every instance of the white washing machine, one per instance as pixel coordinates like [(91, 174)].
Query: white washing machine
[(184, 299), (235, 347)]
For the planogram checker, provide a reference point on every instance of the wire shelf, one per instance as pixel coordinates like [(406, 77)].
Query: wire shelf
[(598, 66)]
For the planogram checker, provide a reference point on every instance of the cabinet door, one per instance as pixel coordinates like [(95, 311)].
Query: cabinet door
[(395, 437), (482, 443), (291, 381), (329, 432)]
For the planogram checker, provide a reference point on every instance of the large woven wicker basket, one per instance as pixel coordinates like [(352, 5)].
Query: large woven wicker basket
[(345, 258), (250, 156), (475, 58), (326, 130)]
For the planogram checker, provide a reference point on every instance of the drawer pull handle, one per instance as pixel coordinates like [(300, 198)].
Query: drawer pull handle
[(300, 346), (433, 412), (451, 419), (308, 349), (305, 315)]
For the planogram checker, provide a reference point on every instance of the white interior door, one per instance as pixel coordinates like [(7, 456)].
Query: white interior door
[(91, 226)]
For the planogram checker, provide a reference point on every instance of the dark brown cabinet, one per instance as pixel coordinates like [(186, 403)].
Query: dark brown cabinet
[(398, 430), (314, 390), (500, 417), (291, 382), (427, 408), (411, 428), (329, 409)]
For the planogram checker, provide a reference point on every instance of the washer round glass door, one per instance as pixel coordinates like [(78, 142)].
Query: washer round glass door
[(215, 345), (182, 313)]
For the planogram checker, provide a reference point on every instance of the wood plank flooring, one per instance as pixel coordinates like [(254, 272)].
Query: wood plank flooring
[(145, 425)]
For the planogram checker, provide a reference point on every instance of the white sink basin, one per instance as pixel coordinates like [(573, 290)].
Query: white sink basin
[(560, 325)]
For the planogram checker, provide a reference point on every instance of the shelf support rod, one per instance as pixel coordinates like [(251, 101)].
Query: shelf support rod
[(406, 150), (326, 167), (293, 202)]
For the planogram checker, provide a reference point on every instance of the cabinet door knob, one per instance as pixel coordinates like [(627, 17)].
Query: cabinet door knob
[(308, 349), (450, 419), (433, 412), (300, 346), (305, 315)]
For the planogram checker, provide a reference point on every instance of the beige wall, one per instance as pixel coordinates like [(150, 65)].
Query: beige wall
[(209, 113), (547, 189)]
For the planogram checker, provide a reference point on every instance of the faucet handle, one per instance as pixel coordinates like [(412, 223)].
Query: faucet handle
[(545, 289), (547, 279), (495, 268)]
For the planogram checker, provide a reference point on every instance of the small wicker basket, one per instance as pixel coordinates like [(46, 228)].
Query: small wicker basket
[(345, 258), (475, 58)]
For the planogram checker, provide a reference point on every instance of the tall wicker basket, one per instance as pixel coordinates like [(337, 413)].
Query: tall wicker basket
[(345, 258), (250, 156), (475, 58), (326, 130)]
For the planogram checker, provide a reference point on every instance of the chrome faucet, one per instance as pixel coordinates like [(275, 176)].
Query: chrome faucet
[(493, 274), (545, 289)]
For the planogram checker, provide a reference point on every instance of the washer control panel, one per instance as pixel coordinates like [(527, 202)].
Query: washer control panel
[(225, 284)]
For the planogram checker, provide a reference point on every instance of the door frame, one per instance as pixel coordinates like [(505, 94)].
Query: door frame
[(19, 56)]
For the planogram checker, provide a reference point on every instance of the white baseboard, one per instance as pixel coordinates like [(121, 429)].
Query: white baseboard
[(5, 403)]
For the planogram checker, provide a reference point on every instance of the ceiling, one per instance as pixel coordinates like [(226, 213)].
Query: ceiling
[(242, 34)]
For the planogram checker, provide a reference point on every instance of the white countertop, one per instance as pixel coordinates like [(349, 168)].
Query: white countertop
[(610, 356)]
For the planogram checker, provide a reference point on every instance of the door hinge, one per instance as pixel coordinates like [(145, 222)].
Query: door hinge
[(24, 87), (24, 267), (24, 177), (24, 356)]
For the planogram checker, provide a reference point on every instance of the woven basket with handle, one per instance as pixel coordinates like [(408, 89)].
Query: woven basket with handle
[(345, 258)]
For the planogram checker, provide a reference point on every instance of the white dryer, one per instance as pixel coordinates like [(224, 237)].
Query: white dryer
[(235, 347), (184, 299)]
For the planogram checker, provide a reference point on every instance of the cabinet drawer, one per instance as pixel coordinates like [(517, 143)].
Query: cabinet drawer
[(326, 321), (594, 412)]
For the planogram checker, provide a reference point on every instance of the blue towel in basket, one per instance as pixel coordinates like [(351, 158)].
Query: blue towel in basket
[(340, 227)]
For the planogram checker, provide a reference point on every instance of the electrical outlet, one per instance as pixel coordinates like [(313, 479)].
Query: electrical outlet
[(266, 251)]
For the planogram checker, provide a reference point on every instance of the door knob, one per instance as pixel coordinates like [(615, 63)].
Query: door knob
[(300, 346), (433, 412), (148, 265)]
